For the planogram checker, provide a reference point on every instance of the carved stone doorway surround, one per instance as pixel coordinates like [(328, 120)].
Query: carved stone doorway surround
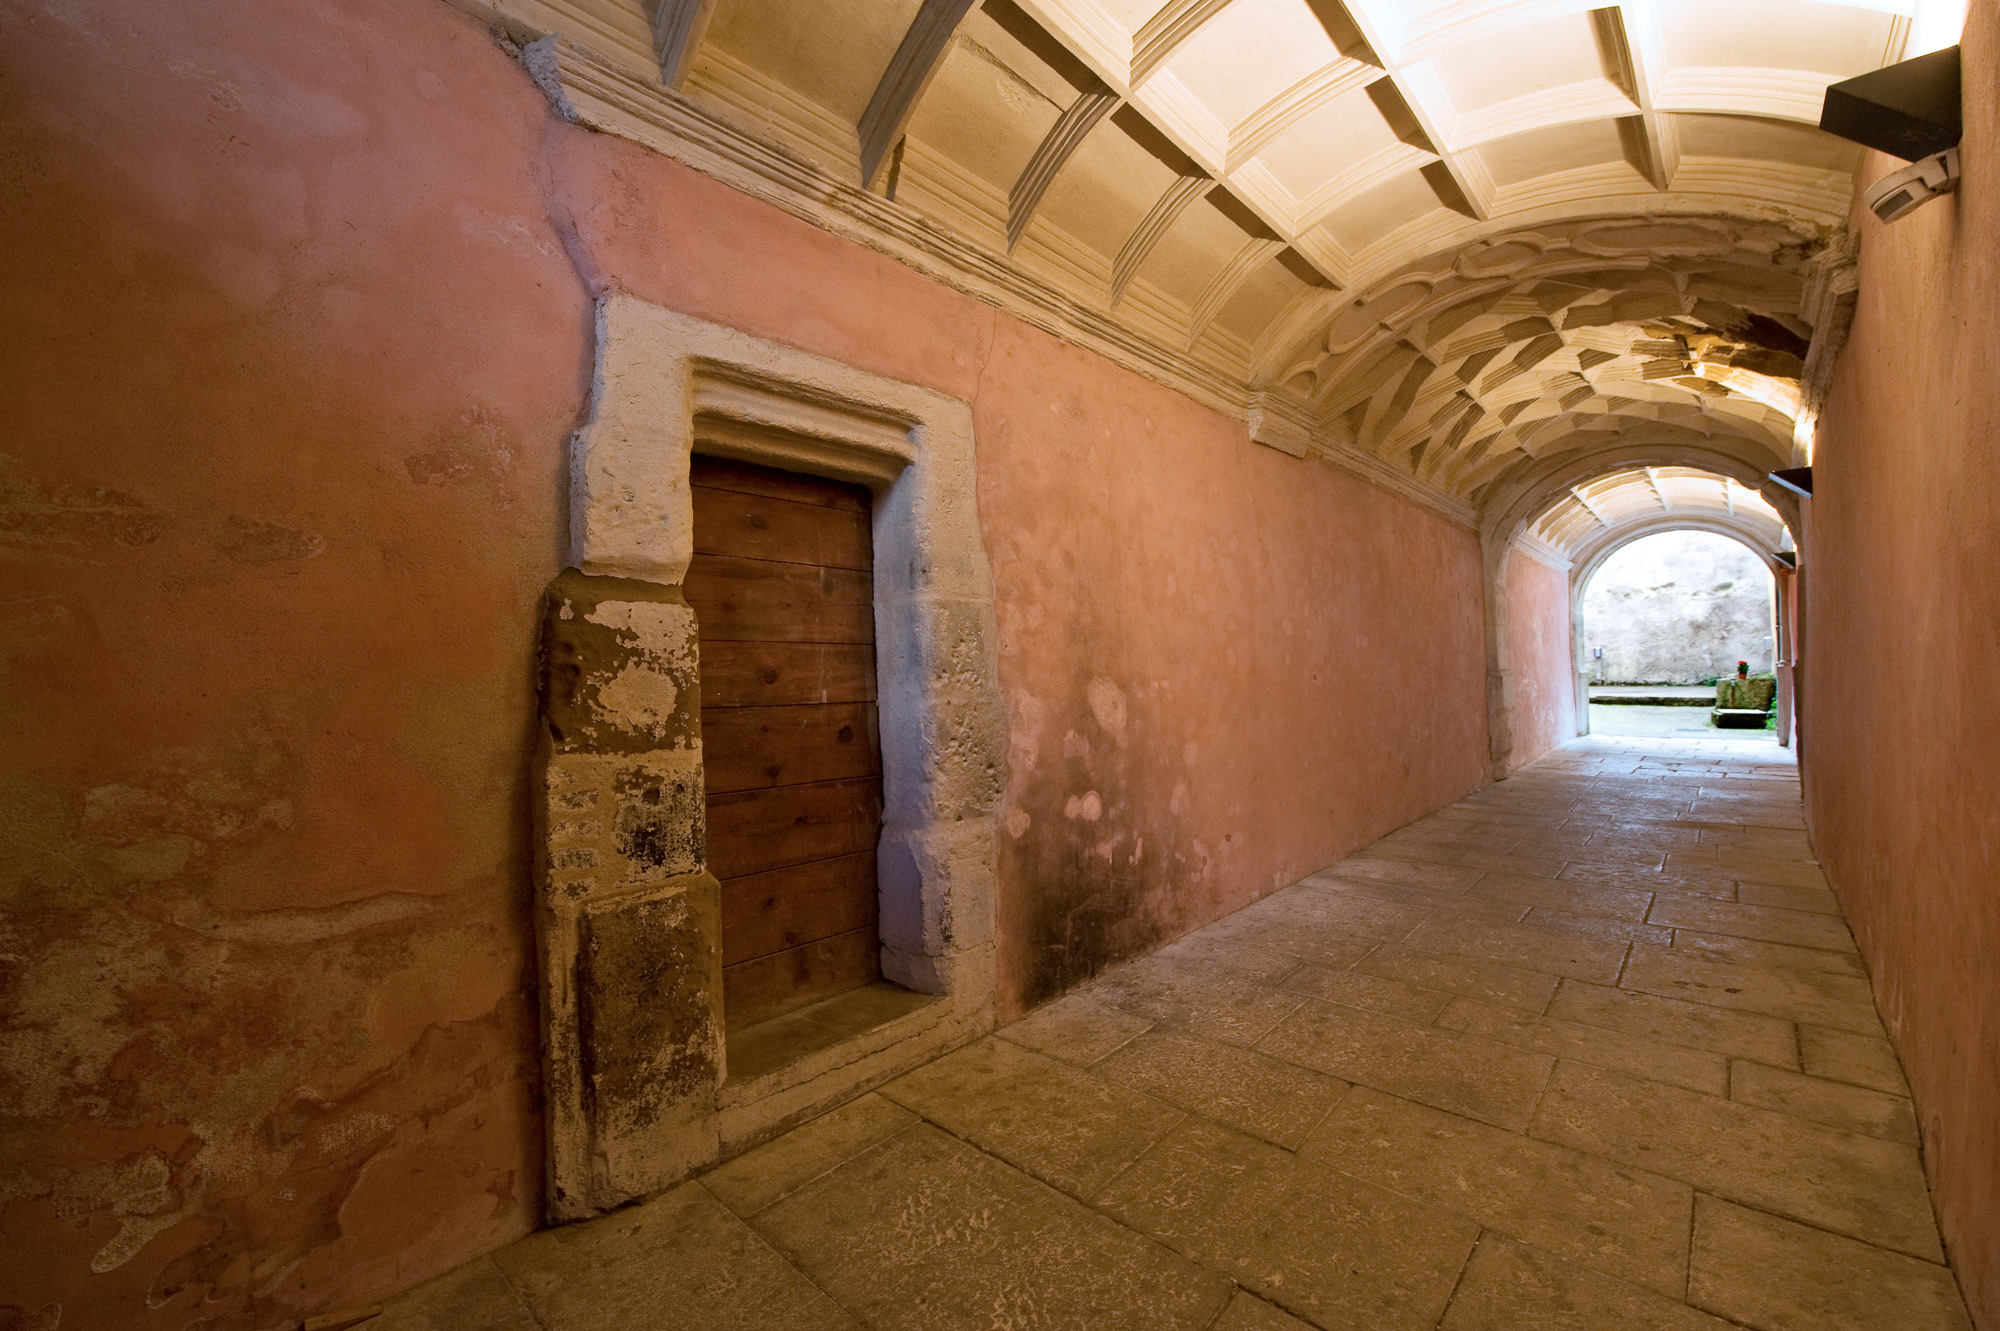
[(636, 1078)]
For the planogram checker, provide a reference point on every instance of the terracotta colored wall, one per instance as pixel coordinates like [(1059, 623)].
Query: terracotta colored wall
[(301, 302), (1538, 627), (1902, 735), (292, 351)]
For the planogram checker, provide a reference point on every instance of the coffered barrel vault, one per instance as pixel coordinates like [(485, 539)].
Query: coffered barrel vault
[(1436, 241)]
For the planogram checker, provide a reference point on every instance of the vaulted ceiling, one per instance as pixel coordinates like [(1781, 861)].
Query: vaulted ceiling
[(1610, 510), (1454, 239)]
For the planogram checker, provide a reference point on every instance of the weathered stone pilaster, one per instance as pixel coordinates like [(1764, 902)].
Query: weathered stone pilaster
[(629, 919)]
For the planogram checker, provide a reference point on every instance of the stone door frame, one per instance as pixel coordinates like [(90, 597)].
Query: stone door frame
[(640, 1096)]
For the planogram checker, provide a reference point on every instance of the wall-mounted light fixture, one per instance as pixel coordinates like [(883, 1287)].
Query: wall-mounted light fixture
[(1911, 110), (1796, 479)]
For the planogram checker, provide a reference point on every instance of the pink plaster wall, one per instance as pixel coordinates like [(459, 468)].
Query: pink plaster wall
[(1902, 659), (299, 303), (292, 350), (1223, 667), (1538, 646)]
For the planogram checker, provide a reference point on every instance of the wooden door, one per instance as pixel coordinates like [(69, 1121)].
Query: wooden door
[(783, 592)]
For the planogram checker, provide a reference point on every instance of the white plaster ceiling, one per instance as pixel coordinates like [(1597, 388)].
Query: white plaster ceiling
[(1460, 237)]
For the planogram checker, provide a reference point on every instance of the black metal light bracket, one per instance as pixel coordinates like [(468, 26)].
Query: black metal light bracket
[(1909, 109), (1796, 479)]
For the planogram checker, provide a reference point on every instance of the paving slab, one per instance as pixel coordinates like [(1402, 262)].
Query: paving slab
[(1859, 1186), (1372, 993), (1482, 1079), (681, 1262), (1507, 985), (1860, 1059), (1696, 1069), (472, 1297), (1510, 1286), (1265, 1097), (1322, 1245), (1834, 1103), (1078, 1028), (1067, 1128), (1842, 1002), (759, 1177), (1591, 1050), (1676, 1021), (1776, 1275), (925, 1231), (1572, 956), (1621, 1221)]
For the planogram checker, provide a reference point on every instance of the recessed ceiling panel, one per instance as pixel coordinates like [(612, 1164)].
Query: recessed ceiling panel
[(1519, 62), (1768, 140), (1261, 298), (1839, 40), (1105, 188), (983, 116), (1329, 142), (1249, 53), (1541, 152), (830, 54), (1373, 214), (1201, 244)]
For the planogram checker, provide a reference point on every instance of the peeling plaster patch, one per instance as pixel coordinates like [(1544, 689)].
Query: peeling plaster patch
[(161, 858), (133, 1234), (640, 699), (291, 925), (666, 630), (140, 1186), (1107, 704), (338, 1138), (249, 542), (35, 513), (436, 468), (1018, 823), (138, 1192), (1086, 806)]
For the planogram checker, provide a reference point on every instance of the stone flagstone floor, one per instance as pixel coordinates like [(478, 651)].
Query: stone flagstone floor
[(1590, 1050)]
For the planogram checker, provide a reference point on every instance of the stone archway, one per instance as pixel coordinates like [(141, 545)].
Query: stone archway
[(1510, 513), (1760, 539)]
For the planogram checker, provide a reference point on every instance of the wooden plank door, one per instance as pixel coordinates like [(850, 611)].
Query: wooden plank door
[(783, 592)]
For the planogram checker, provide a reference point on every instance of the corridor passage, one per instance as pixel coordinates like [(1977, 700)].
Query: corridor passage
[(1590, 1050)]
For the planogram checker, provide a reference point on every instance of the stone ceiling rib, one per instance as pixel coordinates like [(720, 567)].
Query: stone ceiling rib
[(1593, 509), (678, 29), (1254, 255), (1166, 32), (910, 71), (1151, 228), (1261, 127), (1062, 140), (1632, 34), (1103, 44)]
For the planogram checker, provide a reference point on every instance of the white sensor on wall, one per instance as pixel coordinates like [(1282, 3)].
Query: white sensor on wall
[(1902, 192)]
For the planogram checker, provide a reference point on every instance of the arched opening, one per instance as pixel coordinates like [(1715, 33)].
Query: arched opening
[(1555, 530), (1662, 618)]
